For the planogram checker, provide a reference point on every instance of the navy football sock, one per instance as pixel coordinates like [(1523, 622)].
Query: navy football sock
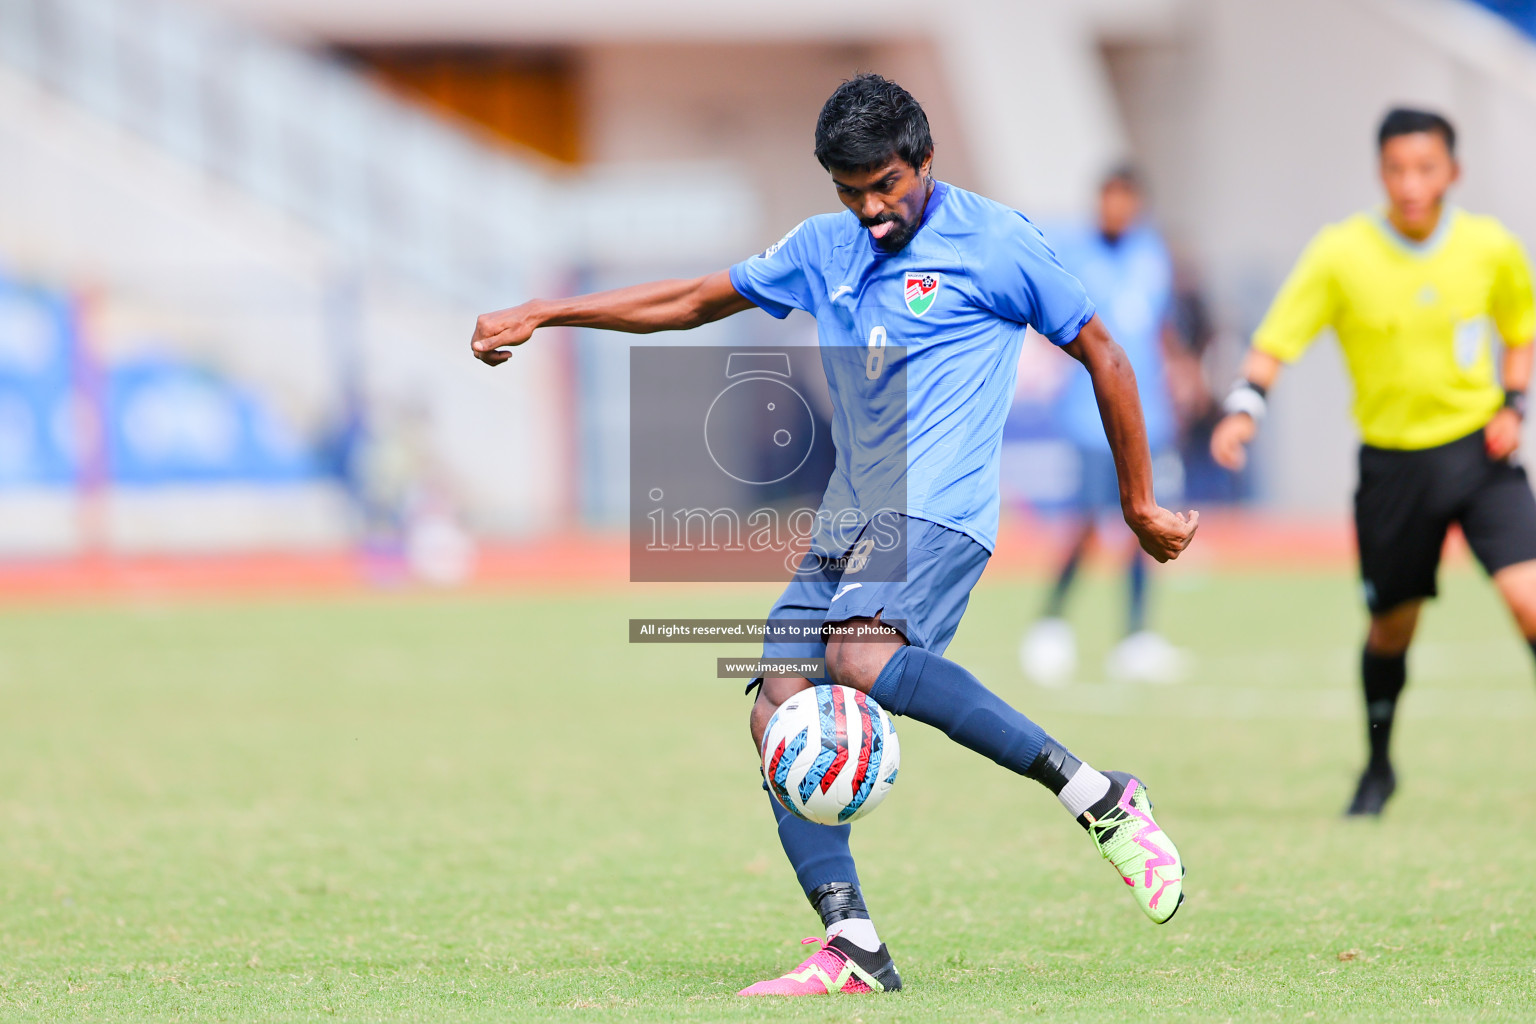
[(818, 853), (937, 692)]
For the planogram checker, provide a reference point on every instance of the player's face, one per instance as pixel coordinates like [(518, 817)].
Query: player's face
[(1417, 169), (1119, 206), (888, 200)]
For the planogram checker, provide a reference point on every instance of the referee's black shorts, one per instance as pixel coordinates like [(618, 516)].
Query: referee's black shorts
[(1408, 499)]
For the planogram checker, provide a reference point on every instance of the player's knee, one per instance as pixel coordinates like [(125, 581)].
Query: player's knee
[(1392, 631), (859, 649), (770, 694), (843, 664), (1388, 640), (1517, 585), (758, 716), (1524, 611), (775, 691), (855, 664)]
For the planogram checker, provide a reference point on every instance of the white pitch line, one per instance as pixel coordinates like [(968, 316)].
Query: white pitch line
[(1236, 703)]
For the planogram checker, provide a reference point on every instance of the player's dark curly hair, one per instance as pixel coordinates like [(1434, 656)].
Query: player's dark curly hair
[(866, 120), (1407, 121)]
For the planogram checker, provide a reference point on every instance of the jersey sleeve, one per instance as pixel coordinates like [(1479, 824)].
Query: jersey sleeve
[(1306, 303), (1022, 280), (776, 279), (1511, 304)]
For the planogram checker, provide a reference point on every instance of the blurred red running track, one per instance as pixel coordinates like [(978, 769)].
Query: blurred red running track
[(1227, 540)]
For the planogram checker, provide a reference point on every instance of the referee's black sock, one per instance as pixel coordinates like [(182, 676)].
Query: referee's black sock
[(1383, 676)]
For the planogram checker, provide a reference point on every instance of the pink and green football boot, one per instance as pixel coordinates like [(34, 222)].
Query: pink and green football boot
[(838, 966), (1128, 837)]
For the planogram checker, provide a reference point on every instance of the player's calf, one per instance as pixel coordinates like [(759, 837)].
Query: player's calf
[(1114, 807)]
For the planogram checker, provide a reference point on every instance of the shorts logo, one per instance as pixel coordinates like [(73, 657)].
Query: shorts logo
[(858, 558), (920, 290)]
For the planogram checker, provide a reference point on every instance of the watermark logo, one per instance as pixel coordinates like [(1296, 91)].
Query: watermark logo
[(782, 428), (731, 457)]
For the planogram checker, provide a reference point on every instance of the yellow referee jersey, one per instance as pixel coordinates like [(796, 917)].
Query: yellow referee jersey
[(1414, 320)]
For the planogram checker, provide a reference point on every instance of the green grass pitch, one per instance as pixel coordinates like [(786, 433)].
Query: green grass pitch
[(494, 808)]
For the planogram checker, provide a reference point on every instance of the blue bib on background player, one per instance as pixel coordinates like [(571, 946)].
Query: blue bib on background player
[(1131, 280), (921, 348)]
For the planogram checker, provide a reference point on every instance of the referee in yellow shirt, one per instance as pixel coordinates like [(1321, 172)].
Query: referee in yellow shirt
[(1414, 293)]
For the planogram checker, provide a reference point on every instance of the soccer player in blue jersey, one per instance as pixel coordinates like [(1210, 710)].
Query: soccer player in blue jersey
[(921, 293), (1122, 262)]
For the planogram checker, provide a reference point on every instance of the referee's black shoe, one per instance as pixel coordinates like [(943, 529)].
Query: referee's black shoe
[(1377, 785)]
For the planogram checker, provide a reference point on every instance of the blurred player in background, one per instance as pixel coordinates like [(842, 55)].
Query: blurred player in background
[(1414, 293), (921, 293), (1123, 264)]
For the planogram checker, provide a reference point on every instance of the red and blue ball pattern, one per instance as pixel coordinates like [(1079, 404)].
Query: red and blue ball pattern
[(830, 754)]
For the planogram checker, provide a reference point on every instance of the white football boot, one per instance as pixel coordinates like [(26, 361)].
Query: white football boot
[(1048, 653), (1146, 657)]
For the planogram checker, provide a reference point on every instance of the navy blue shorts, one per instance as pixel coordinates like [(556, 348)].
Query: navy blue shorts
[(922, 588)]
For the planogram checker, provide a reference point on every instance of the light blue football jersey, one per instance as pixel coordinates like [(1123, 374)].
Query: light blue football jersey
[(921, 351), (1131, 280)]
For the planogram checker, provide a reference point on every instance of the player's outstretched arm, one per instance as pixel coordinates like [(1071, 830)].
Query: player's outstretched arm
[(1163, 534), (1245, 405), (640, 309)]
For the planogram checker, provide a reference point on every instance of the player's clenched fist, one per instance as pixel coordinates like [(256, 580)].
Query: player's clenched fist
[(1164, 534), (1229, 441), (1502, 434), (502, 329)]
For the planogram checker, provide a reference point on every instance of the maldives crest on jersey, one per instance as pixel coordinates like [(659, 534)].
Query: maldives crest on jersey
[(921, 289)]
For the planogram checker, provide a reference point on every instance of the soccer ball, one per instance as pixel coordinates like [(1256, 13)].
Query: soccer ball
[(830, 754)]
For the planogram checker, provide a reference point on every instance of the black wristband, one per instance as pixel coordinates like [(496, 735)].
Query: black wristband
[(1515, 400)]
